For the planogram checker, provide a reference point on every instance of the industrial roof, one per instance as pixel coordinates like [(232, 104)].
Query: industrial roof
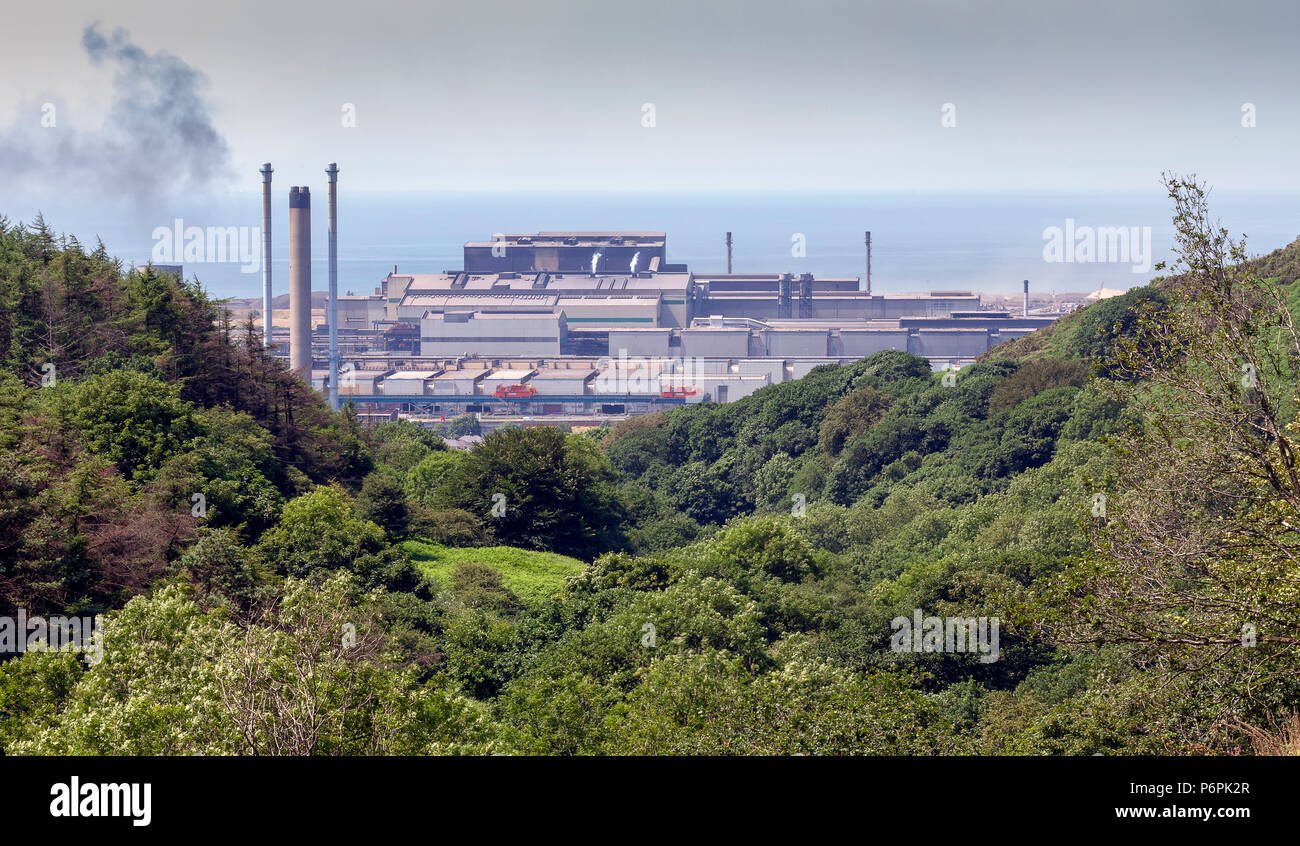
[(611, 298), (552, 373), (454, 375), (414, 374), (765, 277), (577, 239), (541, 302), (541, 283), (517, 375), (531, 314)]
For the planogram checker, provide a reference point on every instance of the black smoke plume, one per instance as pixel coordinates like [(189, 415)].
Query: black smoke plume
[(157, 138)]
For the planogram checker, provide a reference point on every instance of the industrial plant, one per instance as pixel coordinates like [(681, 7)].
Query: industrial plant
[(583, 326)]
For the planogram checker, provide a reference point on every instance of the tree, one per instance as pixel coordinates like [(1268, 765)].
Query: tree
[(319, 531), (383, 501), (850, 417), (134, 420), (425, 481), (1196, 543), (1032, 379), (708, 705), (303, 673), (540, 489)]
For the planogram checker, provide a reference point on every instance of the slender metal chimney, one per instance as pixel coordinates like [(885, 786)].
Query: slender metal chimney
[(266, 253), (868, 278), (728, 252), (300, 281), (333, 173), (1026, 298)]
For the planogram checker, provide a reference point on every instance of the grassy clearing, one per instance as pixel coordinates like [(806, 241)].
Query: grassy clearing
[(530, 575)]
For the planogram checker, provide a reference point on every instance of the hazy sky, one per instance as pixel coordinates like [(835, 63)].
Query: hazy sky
[(748, 94)]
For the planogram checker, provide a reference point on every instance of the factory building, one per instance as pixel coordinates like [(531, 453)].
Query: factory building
[(862, 342), (568, 252), (597, 293), (597, 323), (563, 381), (492, 333), (594, 323), (360, 312), (716, 341), (648, 343), (784, 296), (457, 383), (361, 383), (933, 338), (510, 380), (409, 382), (602, 301)]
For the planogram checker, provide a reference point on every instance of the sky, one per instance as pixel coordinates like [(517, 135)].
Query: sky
[(746, 95)]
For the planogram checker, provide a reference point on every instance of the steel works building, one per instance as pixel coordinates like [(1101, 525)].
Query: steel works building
[(543, 321)]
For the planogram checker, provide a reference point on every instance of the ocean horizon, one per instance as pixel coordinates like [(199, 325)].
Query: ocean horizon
[(921, 241)]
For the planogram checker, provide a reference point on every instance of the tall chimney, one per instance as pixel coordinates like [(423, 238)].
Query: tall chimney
[(728, 253), (266, 254), (300, 281), (868, 279), (1026, 298), (333, 173)]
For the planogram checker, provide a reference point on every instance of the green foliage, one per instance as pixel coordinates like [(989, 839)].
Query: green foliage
[(850, 417), (532, 575), (383, 501), (134, 420), (320, 531), (426, 480), (1034, 378), (707, 705), (32, 689), (553, 491), (714, 617), (449, 526), (1115, 320), (175, 680)]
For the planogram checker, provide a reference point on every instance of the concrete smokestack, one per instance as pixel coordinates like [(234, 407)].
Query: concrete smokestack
[(1026, 298), (266, 254), (868, 277), (728, 252), (300, 281), (333, 173)]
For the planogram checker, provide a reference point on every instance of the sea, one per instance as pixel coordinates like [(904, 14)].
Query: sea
[(986, 242)]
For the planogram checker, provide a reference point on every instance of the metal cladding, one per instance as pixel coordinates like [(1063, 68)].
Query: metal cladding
[(783, 297), (266, 172), (868, 277), (300, 281), (565, 252), (333, 173)]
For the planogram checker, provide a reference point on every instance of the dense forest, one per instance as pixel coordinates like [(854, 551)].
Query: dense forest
[(1120, 491)]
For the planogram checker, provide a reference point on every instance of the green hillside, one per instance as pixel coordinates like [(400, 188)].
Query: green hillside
[(530, 574), (1109, 504)]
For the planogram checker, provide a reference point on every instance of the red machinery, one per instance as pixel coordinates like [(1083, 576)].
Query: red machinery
[(514, 392)]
